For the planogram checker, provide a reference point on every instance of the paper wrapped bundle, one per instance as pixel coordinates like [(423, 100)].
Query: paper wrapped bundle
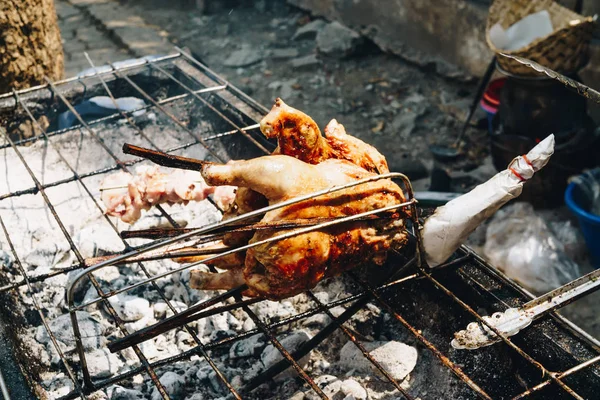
[(451, 224), (564, 48)]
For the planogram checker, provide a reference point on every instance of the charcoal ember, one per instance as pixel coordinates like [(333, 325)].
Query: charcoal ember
[(250, 347), (317, 320), (209, 380), (146, 320), (148, 348), (48, 252), (218, 326), (298, 396), (196, 396), (330, 385), (92, 331), (98, 240), (396, 358), (162, 310), (273, 311), (130, 308), (102, 363), (173, 383), (291, 343), (352, 388), (6, 260), (177, 291), (120, 393), (184, 340)]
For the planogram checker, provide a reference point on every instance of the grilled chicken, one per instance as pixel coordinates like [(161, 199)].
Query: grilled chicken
[(299, 136), (126, 195), (290, 266)]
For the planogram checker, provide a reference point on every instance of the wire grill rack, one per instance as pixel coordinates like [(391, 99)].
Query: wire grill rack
[(237, 111)]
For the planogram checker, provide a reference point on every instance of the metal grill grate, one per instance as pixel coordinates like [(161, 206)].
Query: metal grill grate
[(238, 113)]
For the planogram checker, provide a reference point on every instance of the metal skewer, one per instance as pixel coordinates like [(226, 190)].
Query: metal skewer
[(513, 320), (580, 88), (154, 233), (102, 189)]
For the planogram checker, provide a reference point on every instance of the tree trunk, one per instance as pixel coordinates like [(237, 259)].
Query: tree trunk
[(30, 44)]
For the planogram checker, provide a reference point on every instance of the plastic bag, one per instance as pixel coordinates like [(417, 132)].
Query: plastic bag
[(523, 32), (520, 243)]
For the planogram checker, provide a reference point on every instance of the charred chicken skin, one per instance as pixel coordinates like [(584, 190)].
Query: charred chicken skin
[(299, 136), (290, 266)]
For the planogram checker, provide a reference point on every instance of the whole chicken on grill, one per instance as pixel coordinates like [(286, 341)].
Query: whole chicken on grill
[(303, 163), (290, 266), (299, 136)]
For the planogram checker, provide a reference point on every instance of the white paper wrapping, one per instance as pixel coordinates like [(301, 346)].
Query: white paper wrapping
[(451, 224)]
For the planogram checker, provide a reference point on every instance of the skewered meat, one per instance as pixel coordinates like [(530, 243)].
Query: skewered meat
[(297, 135), (125, 195), (290, 266)]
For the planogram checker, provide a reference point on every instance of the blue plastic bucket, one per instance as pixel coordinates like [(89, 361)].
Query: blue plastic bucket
[(579, 204)]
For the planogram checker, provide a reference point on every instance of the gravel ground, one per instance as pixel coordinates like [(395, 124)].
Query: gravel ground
[(270, 50)]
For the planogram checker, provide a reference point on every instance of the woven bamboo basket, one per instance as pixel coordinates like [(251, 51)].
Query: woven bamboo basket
[(565, 50)]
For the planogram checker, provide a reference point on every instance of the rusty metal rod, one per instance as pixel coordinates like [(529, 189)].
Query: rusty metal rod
[(193, 313), (244, 335), (183, 252), (503, 337), (70, 373), (164, 159), (210, 106), (562, 375), (161, 233), (445, 360), (102, 295), (165, 112), (88, 384), (323, 334)]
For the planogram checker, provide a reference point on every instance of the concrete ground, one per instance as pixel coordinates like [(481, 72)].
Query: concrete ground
[(107, 31)]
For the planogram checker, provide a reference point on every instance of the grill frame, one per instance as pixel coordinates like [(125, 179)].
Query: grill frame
[(251, 111)]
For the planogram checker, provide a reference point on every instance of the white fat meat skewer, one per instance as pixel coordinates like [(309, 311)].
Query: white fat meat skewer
[(126, 195)]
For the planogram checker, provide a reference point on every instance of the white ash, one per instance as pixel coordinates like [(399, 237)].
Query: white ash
[(42, 247), (93, 338), (353, 389), (131, 308), (121, 393), (398, 359), (102, 363), (173, 384), (291, 343)]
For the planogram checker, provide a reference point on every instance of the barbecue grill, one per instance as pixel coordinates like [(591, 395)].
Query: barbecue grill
[(192, 111)]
